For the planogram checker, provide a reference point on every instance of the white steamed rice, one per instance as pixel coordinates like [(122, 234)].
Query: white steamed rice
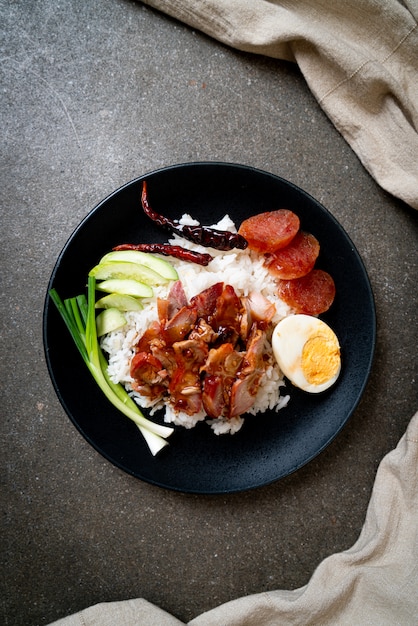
[(242, 269)]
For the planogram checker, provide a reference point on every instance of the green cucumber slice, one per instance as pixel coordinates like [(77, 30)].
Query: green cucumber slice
[(109, 320), (125, 269), (125, 286), (119, 301), (162, 267)]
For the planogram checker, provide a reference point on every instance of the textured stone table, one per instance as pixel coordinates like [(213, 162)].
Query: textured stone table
[(94, 95)]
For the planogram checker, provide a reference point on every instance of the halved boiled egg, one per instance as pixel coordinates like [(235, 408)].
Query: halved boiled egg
[(307, 351)]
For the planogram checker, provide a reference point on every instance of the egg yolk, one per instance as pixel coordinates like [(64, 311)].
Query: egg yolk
[(320, 358)]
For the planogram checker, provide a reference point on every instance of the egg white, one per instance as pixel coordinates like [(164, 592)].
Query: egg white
[(288, 341)]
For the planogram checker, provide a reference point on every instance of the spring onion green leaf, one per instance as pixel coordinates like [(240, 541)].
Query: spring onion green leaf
[(79, 316)]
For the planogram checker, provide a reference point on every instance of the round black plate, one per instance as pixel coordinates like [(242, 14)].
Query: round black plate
[(269, 446)]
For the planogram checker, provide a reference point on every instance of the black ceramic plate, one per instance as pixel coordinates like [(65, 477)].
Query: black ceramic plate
[(269, 446)]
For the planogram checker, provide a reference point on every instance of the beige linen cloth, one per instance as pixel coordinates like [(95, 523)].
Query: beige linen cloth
[(374, 583), (359, 58)]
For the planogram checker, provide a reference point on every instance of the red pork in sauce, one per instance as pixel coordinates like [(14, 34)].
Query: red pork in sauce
[(208, 353)]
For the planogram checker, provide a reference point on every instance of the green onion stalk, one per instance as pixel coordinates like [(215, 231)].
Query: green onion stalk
[(78, 313)]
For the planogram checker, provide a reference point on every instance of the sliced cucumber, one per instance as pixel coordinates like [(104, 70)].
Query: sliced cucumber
[(119, 301), (125, 269), (162, 267), (109, 320), (125, 286)]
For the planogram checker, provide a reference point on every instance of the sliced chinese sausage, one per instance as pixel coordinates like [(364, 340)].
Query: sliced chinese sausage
[(295, 260), (312, 294), (270, 231)]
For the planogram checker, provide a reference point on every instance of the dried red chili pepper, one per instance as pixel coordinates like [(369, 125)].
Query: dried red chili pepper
[(203, 235), (201, 258)]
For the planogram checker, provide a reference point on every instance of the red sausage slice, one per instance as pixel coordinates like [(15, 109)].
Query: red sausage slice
[(312, 294), (295, 260), (270, 231)]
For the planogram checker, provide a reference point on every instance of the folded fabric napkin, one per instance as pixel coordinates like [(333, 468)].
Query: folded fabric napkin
[(359, 58), (375, 582)]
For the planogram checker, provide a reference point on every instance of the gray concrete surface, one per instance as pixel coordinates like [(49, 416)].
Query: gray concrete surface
[(95, 94)]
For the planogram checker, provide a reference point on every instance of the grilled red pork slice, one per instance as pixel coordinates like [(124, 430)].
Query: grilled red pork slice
[(184, 388), (179, 326), (175, 301), (165, 354), (245, 388), (258, 309), (205, 301), (176, 298), (203, 331), (219, 373), (152, 332), (148, 374), (227, 316)]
